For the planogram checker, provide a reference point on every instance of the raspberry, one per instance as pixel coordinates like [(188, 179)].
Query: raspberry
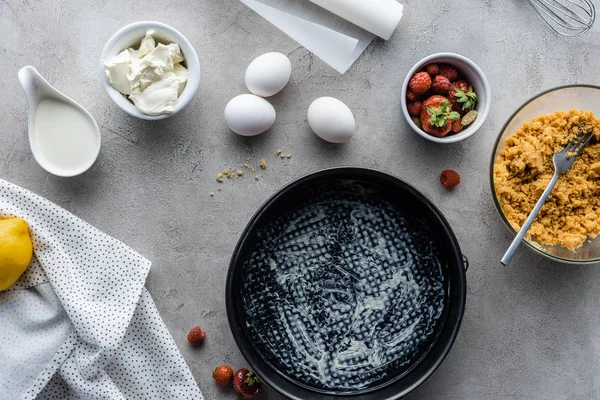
[(441, 85), (450, 178), (414, 108), (196, 335), (420, 83), (449, 72), (410, 96), (433, 69)]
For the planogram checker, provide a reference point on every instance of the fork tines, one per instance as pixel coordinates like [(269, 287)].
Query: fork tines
[(575, 146)]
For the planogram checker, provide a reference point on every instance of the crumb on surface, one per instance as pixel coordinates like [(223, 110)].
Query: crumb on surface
[(524, 167), (239, 172), (212, 194), (219, 177), (263, 163), (289, 155)]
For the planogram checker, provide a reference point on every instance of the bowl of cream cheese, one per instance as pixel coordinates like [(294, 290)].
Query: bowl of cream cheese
[(150, 70)]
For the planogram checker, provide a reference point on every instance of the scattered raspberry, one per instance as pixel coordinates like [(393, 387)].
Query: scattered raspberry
[(196, 335), (449, 72), (420, 83), (223, 375), (450, 178), (410, 96), (457, 126), (441, 85), (433, 69), (414, 108)]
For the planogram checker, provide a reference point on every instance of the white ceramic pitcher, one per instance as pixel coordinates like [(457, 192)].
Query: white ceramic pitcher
[(57, 128)]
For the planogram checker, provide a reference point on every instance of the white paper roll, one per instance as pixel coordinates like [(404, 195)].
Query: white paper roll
[(333, 39), (380, 17)]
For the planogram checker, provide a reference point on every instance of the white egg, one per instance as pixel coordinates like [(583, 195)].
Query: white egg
[(249, 115), (268, 74), (331, 120)]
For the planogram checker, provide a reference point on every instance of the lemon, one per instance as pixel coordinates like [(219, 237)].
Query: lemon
[(15, 250)]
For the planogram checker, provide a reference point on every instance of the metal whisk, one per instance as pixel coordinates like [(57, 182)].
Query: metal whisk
[(566, 17)]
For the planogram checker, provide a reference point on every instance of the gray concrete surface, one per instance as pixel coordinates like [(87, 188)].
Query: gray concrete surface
[(531, 330)]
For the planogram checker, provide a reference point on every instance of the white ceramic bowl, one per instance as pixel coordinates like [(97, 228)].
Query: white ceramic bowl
[(473, 74), (131, 36)]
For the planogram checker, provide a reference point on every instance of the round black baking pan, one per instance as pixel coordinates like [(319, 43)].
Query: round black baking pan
[(246, 283)]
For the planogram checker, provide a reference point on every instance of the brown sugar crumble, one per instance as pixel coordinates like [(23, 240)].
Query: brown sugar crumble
[(524, 168), (282, 154), (247, 169)]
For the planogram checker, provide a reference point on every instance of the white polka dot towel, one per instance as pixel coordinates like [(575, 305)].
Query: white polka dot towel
[(79, 324)]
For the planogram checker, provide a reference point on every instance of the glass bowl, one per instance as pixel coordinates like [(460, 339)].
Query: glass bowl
[(564, 98)]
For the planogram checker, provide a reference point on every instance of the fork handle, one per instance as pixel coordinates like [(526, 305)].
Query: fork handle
[(517, 240)]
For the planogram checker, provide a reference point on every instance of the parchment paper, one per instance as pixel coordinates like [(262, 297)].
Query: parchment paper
[(334, 40)]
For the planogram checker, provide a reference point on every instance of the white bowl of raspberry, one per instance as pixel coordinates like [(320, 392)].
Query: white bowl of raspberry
[(446, 98)]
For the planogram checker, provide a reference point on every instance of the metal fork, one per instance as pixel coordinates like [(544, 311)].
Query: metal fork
[(562, 162)]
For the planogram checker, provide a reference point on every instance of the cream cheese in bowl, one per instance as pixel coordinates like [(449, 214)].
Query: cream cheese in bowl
[(152, 77), (149, 70)]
